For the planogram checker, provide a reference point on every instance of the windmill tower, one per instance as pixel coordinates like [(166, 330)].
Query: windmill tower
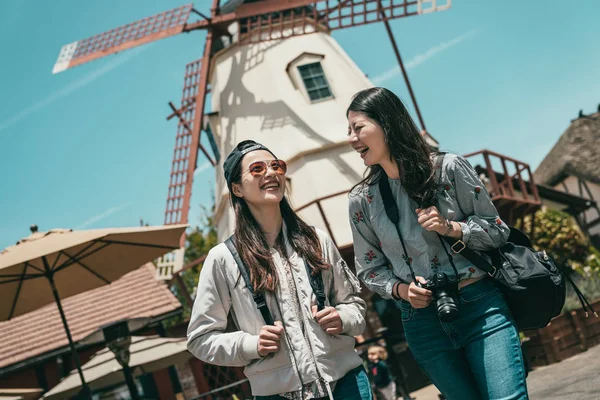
[(276, 76)]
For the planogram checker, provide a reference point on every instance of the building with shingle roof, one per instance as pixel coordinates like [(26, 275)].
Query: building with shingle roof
[(34, 350), (573, 166)]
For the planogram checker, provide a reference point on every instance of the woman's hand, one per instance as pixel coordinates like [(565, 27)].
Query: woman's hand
[(269, 339), (431, 220), (417, 296), (329, 319)]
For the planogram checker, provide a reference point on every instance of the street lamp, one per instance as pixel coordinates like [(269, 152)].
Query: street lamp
[(118, 338)]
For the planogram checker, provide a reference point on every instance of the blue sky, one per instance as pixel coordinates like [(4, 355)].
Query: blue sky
[(91, 147)]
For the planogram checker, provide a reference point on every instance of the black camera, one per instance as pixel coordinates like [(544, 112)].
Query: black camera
[(444, 289)]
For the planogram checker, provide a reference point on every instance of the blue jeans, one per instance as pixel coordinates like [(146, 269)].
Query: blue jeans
[(352, 386), (478, 356)]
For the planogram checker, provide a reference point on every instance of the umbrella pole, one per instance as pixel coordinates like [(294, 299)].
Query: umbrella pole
[(130, 382), (85, 390)]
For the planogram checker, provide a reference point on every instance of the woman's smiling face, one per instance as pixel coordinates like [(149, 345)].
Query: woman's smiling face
[(256, 190), (367, 138)]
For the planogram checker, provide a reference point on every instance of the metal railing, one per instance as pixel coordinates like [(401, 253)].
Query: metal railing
[(513, 194), (322, 212)]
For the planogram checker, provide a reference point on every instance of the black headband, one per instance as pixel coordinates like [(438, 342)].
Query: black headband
[(236, 156)]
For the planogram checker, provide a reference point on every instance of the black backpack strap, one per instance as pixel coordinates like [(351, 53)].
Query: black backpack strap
[(316, 283), (437, 165), (459, 247), (259, 298)]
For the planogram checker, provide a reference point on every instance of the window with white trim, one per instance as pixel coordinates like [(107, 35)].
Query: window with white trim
[(315, 82)]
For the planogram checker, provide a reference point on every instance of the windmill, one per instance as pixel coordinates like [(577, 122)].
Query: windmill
[(236, 23)]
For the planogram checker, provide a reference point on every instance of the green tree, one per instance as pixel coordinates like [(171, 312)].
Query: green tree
[(198, 243), (556, 232)]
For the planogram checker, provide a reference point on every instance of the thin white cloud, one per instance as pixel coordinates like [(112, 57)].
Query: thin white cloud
[(421, 58), (103, 215), (72, 87), (201, 168)]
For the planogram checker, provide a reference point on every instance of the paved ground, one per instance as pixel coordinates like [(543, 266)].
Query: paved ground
[(576, 378)]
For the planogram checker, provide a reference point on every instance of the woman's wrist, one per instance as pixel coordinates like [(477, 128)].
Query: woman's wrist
[(399, 291), (453, 229), (395, 292)]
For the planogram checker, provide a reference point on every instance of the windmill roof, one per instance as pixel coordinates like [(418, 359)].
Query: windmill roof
[(136, 294), (577, 153), (232, 5)]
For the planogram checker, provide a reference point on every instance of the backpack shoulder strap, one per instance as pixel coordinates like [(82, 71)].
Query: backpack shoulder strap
[(259, 298), (437, 165), (316, 283)]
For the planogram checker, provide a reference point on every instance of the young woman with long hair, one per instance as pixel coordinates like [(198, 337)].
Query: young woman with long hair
[(307, 353), (476, 353)]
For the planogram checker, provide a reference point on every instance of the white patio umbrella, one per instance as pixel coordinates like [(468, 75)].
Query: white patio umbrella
[(48, 266), (148, 354)]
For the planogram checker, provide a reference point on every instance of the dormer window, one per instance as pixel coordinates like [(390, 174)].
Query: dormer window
[(314, 81), (307, 73)]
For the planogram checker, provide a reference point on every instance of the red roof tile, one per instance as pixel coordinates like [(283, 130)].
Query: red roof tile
[(137, 294)]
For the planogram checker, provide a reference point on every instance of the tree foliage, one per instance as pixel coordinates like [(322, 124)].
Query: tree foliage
[(556, 232), (199, 241)]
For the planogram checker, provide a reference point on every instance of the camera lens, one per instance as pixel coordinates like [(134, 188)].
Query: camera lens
[(446, 308)]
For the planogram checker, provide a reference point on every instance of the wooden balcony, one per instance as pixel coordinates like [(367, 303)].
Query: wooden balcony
[(510, 184)]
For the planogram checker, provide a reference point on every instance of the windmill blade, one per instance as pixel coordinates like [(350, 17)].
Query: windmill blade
[(181, 174), (185, 154), (258, 22), (270, 20), (187, 141), (125, 37)]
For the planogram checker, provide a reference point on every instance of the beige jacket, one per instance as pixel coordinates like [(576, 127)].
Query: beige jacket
[(222, 291)]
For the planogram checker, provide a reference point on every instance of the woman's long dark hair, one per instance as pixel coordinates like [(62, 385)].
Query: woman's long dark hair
[(406, 144), (252, 244)]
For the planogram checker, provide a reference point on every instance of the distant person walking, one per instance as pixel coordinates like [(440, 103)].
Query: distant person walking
[(380, 374)]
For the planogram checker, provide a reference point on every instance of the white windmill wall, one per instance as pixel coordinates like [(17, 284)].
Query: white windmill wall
[(257, 95)]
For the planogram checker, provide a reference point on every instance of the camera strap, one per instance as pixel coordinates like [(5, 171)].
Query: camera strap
[(391, 211)]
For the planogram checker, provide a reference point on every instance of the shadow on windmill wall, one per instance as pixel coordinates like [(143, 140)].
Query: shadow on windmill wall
[(276, 114)]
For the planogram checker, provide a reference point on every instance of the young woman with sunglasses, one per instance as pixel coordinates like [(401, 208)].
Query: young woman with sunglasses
[(477, 355), (307, 353)]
